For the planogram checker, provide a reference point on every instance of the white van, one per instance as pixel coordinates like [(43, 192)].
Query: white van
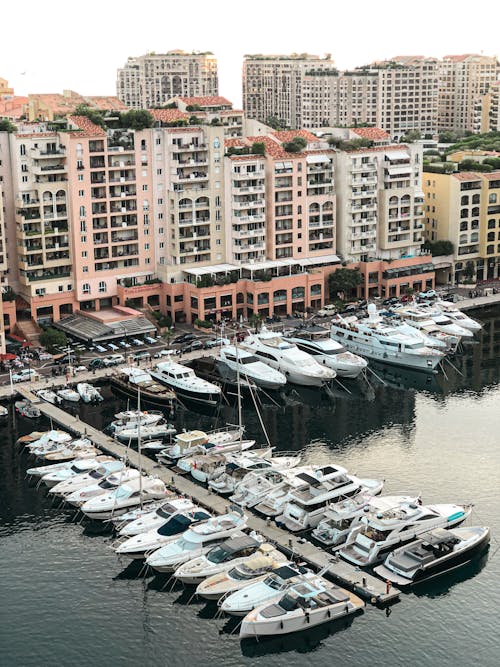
[(329, 309)]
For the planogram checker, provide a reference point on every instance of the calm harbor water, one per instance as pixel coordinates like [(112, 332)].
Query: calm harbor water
[(66, 599)]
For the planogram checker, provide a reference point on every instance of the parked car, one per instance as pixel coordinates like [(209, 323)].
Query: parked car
[(183, 338), (141, 355), (100, 348), (25, 374), (96, 363), (328, 309), (136, 341), (124, 344), (349, 308), (64, 359), (113, 360), (164, 353), (391, 301), (195, 345), (429, 294), (113, 347), (150, 340)]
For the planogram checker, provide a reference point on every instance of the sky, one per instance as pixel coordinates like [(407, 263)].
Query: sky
[(54, 45)]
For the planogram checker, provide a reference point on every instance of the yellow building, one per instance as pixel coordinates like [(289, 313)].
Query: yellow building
[(464, 208)]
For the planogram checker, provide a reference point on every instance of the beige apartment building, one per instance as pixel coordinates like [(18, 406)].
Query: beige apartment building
[(464, 208), (464, 80), (151, 80), (487, 110)]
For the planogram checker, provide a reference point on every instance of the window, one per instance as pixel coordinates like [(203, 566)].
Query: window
[(24, 167), (60, 288), (158, 141), (80, 177), (158, 172), (160, 201), (83, 239), (24, 179), (146, 246), (22, 149), (85, 269), (160, 230), (86, 288), (492, 198), (84, 253), (81, 193), (161, 245), (83, 226), (82, 211), (102, 286), (144, 187)]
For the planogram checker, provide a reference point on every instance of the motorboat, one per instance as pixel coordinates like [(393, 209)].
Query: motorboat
[(334, 528), (140, 546), (204, 467), (237, 466), (435, 553), (68, 394), (155, 518), (277, 496), (185, 383), (256, 485), (457, 316), (82, 447), (68, 486), (88, 393), (219, 558), (374, 534), (272, 587), (412, 321), (250, 367), (303, 606), (215, 371), (317, 342), (306, 504), (45, 437), (197, 540), (30, 437), (297, 366), (132, 379), (101, 484), (4, 412), (190, 442), (153, 446), (444, 321), (136, 513), (130, 419), (384, 342), (77, 467), (130, 494), (27, 409), (136, 432), (244, 573), (49, 396), (52, 447)]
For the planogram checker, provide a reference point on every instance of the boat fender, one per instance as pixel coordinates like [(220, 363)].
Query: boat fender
[(281, 625), (328, 613), (308, 620)]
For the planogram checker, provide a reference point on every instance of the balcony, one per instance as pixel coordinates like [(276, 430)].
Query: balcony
[(38, 153), (47, 275), (49, 168)]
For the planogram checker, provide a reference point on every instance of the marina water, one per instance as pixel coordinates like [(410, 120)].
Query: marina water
[(66, 600)]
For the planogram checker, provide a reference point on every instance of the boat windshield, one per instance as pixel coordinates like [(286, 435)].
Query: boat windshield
[(96, 474), (177, 524), (376, 535), (218, 554), (288, 602), (106, 484), (240, 574), (249, 360), (273, 583)]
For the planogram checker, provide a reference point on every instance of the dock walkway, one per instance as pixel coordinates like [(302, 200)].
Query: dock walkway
[(362, 583)]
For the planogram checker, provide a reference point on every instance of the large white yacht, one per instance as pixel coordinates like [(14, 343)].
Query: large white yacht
[(186, 383), (383, 342), (444, 322), (317, 342), (456, 315), (251, 367), (375, 534), (119, 500), (298, 367), (440, 327), (305, 506)]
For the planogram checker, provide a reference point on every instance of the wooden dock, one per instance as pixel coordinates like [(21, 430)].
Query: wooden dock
[(364, 584)]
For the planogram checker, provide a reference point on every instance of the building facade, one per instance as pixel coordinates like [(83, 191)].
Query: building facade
[(464, 208), (153, 79)]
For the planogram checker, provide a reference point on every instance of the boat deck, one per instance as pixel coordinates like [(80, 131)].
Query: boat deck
[(362, 583)]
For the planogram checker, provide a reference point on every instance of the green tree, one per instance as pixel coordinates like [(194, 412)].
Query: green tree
[(439, 247), (96, 116), (52, 338), (344, 281), (297, 145), (256, 321), (275, 123), (136, 119), (410, 136), (7, 126), (258, 148)]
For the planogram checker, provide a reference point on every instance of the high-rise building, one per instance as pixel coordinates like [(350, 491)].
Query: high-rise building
[(153, 79), (487, 110), (463, 81), (464, 208)]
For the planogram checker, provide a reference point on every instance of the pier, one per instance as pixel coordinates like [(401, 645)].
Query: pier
[(362, 583)]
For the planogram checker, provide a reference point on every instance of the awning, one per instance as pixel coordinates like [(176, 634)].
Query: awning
[(395, 171), (397, 155), (314, 159), (7, 356)]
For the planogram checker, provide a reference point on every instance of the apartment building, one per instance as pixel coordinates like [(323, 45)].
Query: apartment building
[(151, 80), (463, 82), (487, 110), (51, 106), (81, 204), (464, 208), (273, 86)]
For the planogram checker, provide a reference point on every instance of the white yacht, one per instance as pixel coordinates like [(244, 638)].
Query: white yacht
[(100, 485), (197, 540), (317, 342), (68, 394), (52, 436), (276, 497), (75, 450), (204, 467), (130, 418), (429, 334), (374, 534), (241, 602), (186, 383), (297, 366), (250, 571), (140, 546), (88, 393), (190, 442), (456, 315), (251, 367), (384, 343), (435, 553), (154, 518), (130, 494), (256, 485), (67, 486), (238, 465), (150, 432), (306, 505), (77, 467), (48, 450), (420, 320), (444, 321), (334, 528), (219, 558)]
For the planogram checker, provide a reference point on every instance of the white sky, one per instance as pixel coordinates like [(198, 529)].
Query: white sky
[(61, 44)]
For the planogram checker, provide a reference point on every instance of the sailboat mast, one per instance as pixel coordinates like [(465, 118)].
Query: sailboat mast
[(240, 418), (139, 443)]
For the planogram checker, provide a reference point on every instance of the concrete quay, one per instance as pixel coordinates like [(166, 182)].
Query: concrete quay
[(364, 584)]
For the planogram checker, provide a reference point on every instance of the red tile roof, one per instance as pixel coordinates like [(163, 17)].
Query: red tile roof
[(373, 149), (288, 135), (168, 115), (492, 175), (89, 128), (106, 103), (239, 142), (214, 101), (375, 133), (466, 176)]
